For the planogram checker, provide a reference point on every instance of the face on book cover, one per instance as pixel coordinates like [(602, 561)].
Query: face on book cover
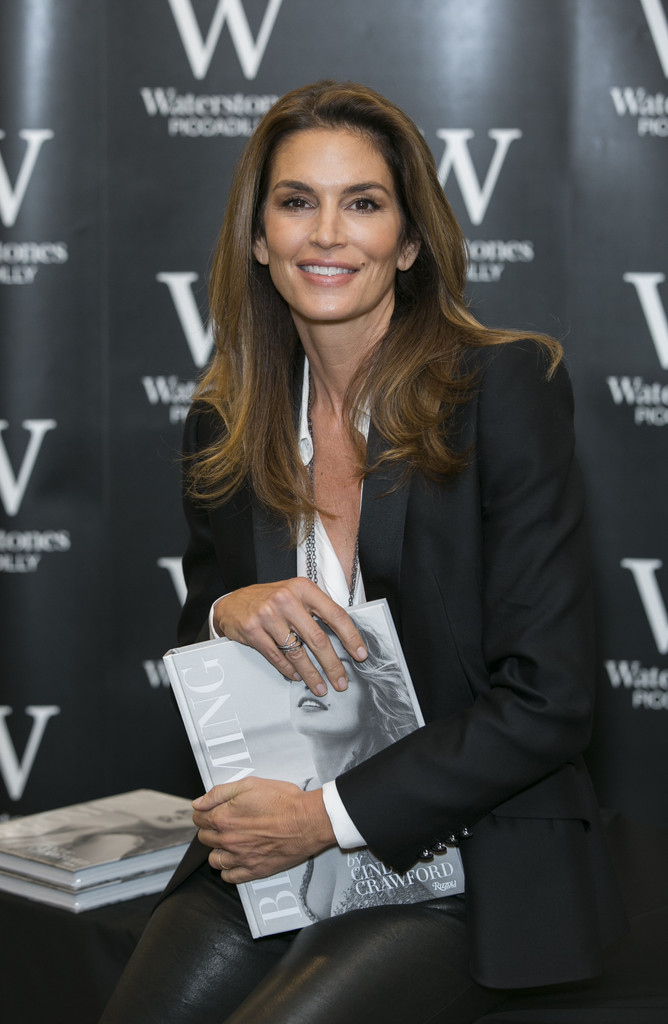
[(336, 715)]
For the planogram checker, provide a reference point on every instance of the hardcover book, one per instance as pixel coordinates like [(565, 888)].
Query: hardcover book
[(132, 839), (243, 718), (91, 897)]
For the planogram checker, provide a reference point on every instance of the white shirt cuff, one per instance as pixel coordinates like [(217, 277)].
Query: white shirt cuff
[(213, 635), (345, 829)]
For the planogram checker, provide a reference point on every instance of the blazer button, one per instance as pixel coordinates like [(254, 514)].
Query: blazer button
[(425, 854), (439, 846), (465, 833), (452, 839)]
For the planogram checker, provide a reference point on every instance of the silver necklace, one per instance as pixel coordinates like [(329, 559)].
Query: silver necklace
[(311, 560)]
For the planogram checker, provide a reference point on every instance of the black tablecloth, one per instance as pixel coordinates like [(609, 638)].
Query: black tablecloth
[(57, 967)]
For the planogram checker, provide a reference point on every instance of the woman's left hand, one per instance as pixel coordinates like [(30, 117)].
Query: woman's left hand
[(258, 827)]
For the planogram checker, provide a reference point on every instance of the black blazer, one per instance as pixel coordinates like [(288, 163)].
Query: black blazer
[(487, 578)]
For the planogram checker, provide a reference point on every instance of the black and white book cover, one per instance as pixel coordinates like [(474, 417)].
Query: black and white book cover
[(243, 718), (97, 842)]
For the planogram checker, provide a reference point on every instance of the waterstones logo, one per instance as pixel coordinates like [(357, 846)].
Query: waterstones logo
[(21, 551), (15, 772), (200, 116), (648, 685), (648, 399), (650, 109), (20, 261), (12, 196), (200, 50), (488, 257), (170, 391), (203, 115), (13, 486)]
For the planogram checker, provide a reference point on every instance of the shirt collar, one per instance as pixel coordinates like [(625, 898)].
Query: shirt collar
[(361, 417)]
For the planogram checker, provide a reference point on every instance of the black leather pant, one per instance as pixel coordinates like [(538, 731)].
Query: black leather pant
[(197, 964)]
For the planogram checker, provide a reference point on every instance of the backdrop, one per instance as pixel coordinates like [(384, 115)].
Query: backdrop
[(120, 123)]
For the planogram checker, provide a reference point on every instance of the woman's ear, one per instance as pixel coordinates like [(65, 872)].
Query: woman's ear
[(408, 255), (260, 251)]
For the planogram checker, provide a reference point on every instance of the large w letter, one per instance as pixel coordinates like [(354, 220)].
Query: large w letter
[(658, 26), (199, 51), (14, 773), (644, 573), (12, 488), (11, 198), (457, 157), (647, 287), (198, 336)]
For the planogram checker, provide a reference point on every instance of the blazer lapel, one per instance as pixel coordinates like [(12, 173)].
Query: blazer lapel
[(381, 537), (274, 558)]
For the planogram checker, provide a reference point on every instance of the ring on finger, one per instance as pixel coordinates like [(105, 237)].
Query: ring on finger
[(290, 645)]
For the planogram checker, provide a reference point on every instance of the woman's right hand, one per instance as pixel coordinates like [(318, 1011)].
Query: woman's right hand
[(266, 614)]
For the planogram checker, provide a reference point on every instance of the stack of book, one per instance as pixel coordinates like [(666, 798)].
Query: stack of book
[(95, 853)]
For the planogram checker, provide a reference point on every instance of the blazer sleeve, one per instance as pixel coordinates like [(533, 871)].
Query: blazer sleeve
[(532, 705), (201, 568)]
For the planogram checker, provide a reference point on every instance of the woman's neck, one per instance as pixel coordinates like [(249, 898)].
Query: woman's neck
[(336, 350), (330, 758)]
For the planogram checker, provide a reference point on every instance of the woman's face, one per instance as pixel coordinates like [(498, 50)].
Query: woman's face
[(332, 230), (339, 714)]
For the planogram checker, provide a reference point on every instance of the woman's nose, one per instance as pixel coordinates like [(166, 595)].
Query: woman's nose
[(328, 228)]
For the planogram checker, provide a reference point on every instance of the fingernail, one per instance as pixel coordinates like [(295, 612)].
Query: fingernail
[(321, 689), (342, 683), (297, 677), (197, 802), (362, 653)]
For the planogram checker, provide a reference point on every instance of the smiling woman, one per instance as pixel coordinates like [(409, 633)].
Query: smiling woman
[(359, 435), (333, 235)]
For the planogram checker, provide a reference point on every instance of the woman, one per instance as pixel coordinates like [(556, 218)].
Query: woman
[(359, 435)]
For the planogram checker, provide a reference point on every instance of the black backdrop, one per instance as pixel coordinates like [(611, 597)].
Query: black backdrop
[(120, 123)]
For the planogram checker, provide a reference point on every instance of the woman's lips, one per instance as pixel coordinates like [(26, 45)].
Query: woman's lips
[(325, 271), (312, 703)]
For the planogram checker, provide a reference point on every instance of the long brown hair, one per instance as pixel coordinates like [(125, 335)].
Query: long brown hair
[(415, 375)]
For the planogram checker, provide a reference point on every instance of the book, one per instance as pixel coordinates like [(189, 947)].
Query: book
[(92, 844), (90, 898), (243, 718)]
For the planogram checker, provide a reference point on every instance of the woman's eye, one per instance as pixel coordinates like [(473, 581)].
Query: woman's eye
[(296, 203), (364, 204)]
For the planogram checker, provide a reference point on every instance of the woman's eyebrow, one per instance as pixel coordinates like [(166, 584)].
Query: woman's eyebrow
[(301, 186)]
